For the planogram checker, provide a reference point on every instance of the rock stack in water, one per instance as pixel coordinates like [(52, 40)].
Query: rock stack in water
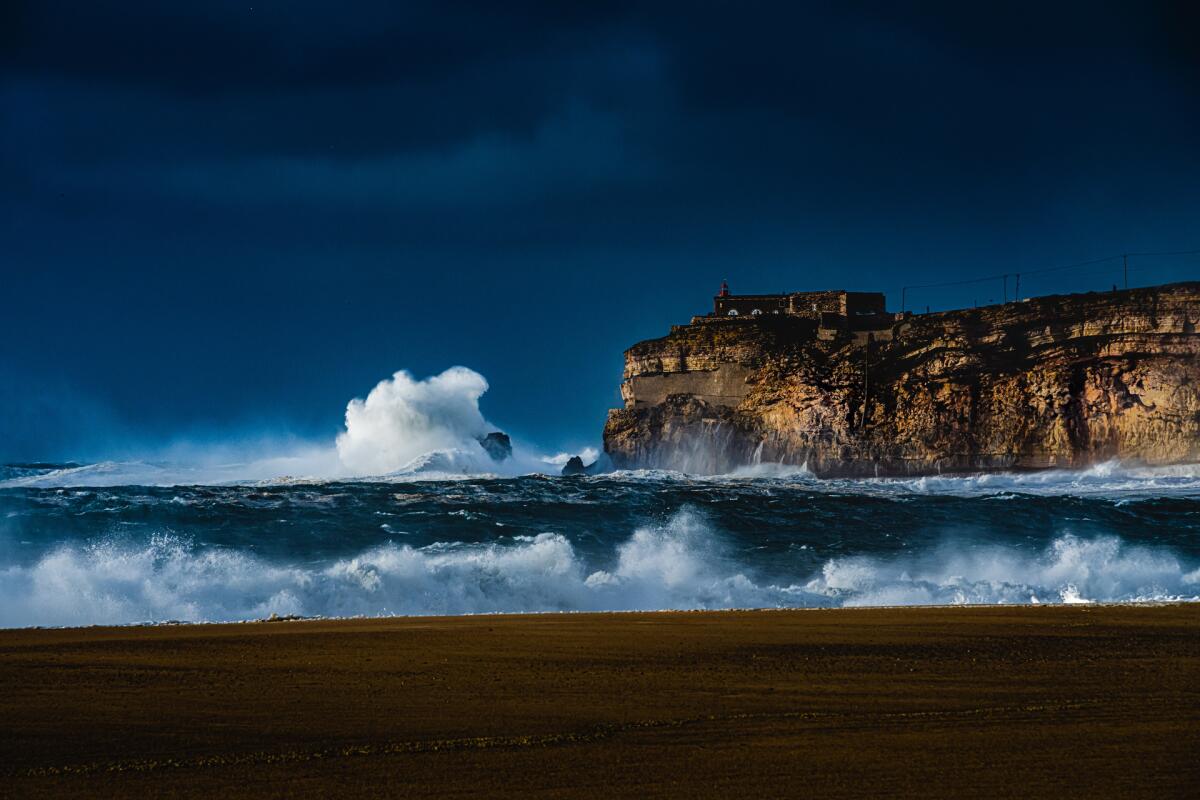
[(497, 445)]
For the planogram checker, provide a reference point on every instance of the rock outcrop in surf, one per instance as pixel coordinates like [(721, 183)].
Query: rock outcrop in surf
[(1058, 381), (575, 466), (497, 445)]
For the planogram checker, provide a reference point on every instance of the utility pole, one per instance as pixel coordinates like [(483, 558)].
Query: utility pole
[(866, 382), (903, 292), (1125, 263), (1006, 287), (1017, 291)]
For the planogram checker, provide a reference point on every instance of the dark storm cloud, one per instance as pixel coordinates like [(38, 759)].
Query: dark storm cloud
[(291, 78), (222, 46), (719, 94)]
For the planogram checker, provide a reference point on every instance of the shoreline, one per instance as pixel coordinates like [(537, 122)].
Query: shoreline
[(176, 623), (1039, 701)]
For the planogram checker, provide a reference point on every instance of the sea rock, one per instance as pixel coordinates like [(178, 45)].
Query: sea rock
[(1059, 381), (497, 445), (574, 465)]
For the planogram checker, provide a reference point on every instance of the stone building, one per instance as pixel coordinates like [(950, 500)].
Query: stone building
[(801, 304)]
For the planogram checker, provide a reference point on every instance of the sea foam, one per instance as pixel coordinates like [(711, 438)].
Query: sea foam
[(679, 564)]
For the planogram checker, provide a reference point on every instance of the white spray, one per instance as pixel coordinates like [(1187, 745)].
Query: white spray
[(403, 419)]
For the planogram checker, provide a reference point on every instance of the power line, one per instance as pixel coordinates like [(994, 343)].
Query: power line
[(1069, 266), (958, 283), (1060, 268), (1168, 253)]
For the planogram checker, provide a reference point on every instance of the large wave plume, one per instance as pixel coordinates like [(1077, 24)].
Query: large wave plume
[(403, 419)]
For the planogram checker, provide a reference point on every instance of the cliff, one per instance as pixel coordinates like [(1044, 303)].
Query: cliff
[(1060, 381)]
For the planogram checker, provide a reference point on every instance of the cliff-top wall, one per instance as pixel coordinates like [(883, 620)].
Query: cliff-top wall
[(1062, 381)]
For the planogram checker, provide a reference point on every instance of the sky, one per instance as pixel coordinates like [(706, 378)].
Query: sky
[(226, 219)]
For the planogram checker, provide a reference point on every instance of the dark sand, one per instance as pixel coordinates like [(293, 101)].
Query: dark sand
[(1011, 702)]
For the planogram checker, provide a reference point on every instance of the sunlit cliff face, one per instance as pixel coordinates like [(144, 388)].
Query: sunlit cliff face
[(1061, 381)]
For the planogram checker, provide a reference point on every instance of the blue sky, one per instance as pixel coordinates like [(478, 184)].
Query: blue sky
[(223, 219)]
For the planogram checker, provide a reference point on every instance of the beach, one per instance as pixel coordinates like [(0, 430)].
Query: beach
[(1050, 701)]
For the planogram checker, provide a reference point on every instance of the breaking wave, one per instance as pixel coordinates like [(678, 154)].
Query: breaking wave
[(404, 429), (680, 564), (403, 419), (1108, 478)]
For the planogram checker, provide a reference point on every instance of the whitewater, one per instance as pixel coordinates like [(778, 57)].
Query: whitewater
[(412, 544)]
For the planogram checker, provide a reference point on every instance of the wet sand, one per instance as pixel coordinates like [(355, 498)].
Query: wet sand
[(1004, 702)]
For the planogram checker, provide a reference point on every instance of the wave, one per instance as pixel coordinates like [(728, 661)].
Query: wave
[(1111, 479), (773, 470), (197, 472), (681, 564), (105, 473), (437, 465)]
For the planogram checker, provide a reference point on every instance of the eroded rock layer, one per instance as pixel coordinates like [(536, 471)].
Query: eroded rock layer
[(1061, 381)]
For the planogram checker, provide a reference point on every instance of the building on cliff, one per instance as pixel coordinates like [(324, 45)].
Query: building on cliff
[(1055, 381), (864, 315), (800, 304)]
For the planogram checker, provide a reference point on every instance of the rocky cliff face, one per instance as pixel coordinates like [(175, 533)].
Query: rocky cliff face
[(1063, 381)]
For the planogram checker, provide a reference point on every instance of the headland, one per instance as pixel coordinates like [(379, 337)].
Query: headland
[(835, 382)]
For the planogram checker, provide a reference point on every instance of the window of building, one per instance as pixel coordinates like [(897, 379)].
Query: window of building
[(733, 312), (756, 312)]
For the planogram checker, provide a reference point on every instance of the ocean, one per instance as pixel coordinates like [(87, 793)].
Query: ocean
[(80, 547)]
